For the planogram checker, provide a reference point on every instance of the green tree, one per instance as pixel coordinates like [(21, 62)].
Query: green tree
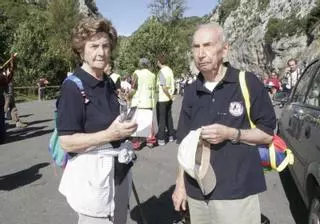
[(11, 14), (30, 42), (168, 10), (163, 32), (148, 41), (59, 37), (126, 60), (4, 36), (43, 42)]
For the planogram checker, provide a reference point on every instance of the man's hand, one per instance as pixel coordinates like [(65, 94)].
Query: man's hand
[(216, 133), (287, 70), (179, 198), (166, 92)]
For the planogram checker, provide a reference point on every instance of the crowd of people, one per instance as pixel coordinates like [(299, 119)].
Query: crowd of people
[(274, 83), (91, 130)]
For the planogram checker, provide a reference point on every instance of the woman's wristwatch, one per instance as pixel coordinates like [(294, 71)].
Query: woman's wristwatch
[(236, 138)]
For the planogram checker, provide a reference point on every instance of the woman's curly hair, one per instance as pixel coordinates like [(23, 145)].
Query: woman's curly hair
[(89, 27)]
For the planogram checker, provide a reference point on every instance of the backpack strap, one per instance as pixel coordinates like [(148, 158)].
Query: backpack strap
[(246, 95), (79, 84)]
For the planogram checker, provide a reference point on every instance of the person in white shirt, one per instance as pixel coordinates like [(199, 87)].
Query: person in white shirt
[(114, 76), (292, 74), (165, 84)]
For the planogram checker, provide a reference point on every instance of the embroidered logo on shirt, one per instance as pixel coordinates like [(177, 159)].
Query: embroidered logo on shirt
[(236, 109)]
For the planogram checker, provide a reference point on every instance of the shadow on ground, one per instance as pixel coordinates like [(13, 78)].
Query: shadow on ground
[(24, 177), (38, 122), (25, 133), (10, 126), (157, 210), (25, 115), (297, 207)]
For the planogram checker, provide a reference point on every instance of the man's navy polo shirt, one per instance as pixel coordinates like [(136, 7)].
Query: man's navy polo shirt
[(237, 166), (76, 117)]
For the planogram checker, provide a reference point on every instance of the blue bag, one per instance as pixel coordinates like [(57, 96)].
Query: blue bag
[(59, 156)]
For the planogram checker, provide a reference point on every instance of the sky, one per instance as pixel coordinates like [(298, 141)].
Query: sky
[(128, 15)]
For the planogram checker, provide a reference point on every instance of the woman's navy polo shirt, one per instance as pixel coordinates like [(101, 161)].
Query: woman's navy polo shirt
[(237, 166), (76, 117)]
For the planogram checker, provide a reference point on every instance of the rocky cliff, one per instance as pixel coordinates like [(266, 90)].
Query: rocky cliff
[(264, 34), (88, 7)]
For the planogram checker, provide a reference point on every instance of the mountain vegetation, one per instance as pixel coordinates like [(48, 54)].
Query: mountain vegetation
[(39, 31), (172, 38)]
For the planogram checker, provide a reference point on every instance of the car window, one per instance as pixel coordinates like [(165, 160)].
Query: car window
[(303, 84), (313, 96)]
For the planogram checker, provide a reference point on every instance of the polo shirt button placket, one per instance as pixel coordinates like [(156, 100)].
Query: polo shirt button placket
[(213, 100), (212, 97)]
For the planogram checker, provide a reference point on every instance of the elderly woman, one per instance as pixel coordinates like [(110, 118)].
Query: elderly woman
[(94, 182)]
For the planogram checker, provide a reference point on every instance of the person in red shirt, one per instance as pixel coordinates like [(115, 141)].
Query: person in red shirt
[(274, 81), (273, 84)]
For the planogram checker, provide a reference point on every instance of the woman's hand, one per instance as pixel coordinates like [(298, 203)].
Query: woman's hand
[(122, 130)]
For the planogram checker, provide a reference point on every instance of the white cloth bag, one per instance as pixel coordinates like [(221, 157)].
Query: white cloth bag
[(88, 184), (88, 180), (144, 119)]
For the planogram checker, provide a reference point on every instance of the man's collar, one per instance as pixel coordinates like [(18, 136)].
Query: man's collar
[(87, 78), (231, 76)]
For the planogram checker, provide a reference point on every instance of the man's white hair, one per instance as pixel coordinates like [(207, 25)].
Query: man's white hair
[(217, 28)]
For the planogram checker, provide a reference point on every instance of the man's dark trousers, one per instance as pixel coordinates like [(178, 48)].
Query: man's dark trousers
[(2, 120), (164, 118)]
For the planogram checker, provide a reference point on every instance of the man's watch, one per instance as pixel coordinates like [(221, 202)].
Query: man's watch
[(236, 140)]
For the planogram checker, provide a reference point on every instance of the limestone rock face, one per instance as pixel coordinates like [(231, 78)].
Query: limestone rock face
[(88, 7), (246, 26)]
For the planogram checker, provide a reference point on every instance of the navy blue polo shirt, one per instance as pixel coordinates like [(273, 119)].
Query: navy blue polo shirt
[(76, 117), (237, 166)]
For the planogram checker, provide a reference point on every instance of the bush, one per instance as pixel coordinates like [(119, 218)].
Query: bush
[(278, 28)]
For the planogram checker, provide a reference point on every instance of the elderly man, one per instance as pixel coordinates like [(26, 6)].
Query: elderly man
[(214, 103)]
